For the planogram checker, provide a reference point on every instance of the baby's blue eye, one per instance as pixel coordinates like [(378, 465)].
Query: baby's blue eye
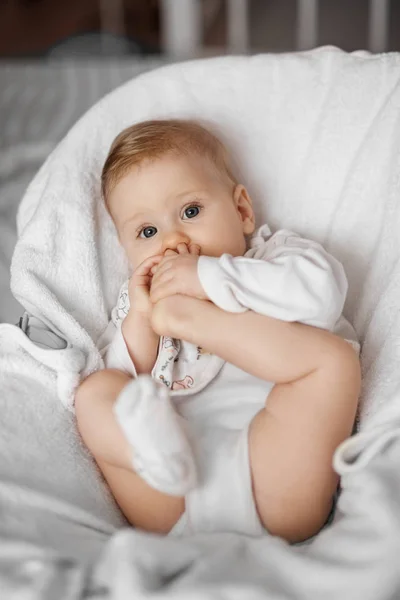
[(191, 212), (148, 232)]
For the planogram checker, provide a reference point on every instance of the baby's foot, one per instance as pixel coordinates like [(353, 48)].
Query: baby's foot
[(162, 455)]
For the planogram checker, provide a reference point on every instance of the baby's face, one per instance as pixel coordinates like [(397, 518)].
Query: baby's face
[(174, 200)]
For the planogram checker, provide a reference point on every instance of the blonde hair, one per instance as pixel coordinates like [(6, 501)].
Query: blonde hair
[(150, 140)]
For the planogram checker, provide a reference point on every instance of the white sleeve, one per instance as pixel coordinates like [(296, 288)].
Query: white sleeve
[(292, 279)]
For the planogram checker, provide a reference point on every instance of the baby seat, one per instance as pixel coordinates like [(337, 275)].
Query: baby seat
[(316, 139)]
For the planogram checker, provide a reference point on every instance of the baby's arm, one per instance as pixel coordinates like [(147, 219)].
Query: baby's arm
[(137, 337), (141, 342)]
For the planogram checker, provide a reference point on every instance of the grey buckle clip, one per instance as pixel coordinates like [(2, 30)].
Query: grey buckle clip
[(40, 334)]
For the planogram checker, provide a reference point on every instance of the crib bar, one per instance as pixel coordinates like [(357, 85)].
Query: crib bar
[(181, 27), (238, 26), (112, 18), (378, 25), (307, 24)]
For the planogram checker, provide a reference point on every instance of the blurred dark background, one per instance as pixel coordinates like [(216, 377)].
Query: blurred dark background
[(40, 28)]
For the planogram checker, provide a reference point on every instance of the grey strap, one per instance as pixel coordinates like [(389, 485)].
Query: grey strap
[(40, 334)]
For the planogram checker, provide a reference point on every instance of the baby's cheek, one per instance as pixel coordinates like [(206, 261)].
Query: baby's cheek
[(135, 253), (135, 259), (229, 240), (132, 257)]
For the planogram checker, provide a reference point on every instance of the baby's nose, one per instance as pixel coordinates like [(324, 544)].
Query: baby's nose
[(172, 239)]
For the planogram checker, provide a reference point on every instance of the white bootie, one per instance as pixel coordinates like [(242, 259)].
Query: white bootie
[(162, 455)]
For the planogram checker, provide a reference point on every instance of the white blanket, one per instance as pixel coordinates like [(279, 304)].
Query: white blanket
[(316, 137)]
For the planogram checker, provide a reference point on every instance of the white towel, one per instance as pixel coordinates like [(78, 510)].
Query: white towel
[(316, 137)]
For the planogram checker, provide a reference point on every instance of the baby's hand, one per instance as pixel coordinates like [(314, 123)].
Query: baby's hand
[(139, 286), (177, 274)]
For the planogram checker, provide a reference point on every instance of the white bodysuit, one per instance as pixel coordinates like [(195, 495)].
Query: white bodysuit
[(282, 276)]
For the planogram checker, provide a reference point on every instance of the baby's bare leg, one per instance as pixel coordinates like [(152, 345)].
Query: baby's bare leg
[(143, 506), (309, 412), (291, 445)]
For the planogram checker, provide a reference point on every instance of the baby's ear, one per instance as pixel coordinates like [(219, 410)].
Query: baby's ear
[(244, 207)]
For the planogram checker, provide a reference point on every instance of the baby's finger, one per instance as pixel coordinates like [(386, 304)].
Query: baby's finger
[(153, 269), (182, 248), (160, 278), (194, 249), (170, 252), (146, 265), (141, 281), (159, 292), (169, 285), (165, 265)]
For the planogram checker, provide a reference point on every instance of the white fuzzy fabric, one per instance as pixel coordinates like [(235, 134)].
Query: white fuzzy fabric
[(316, 137)]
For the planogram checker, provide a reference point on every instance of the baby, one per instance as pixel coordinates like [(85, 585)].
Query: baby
[(231, 375)]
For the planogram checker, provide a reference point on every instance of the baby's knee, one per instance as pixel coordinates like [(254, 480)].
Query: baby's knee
[(340, 356), (100, 383), (299, 522)]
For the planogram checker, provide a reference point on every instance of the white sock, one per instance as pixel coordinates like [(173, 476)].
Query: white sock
[(162, 455)]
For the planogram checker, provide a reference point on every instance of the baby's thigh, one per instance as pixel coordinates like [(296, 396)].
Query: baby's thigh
[(143, 506), (292, 443)]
